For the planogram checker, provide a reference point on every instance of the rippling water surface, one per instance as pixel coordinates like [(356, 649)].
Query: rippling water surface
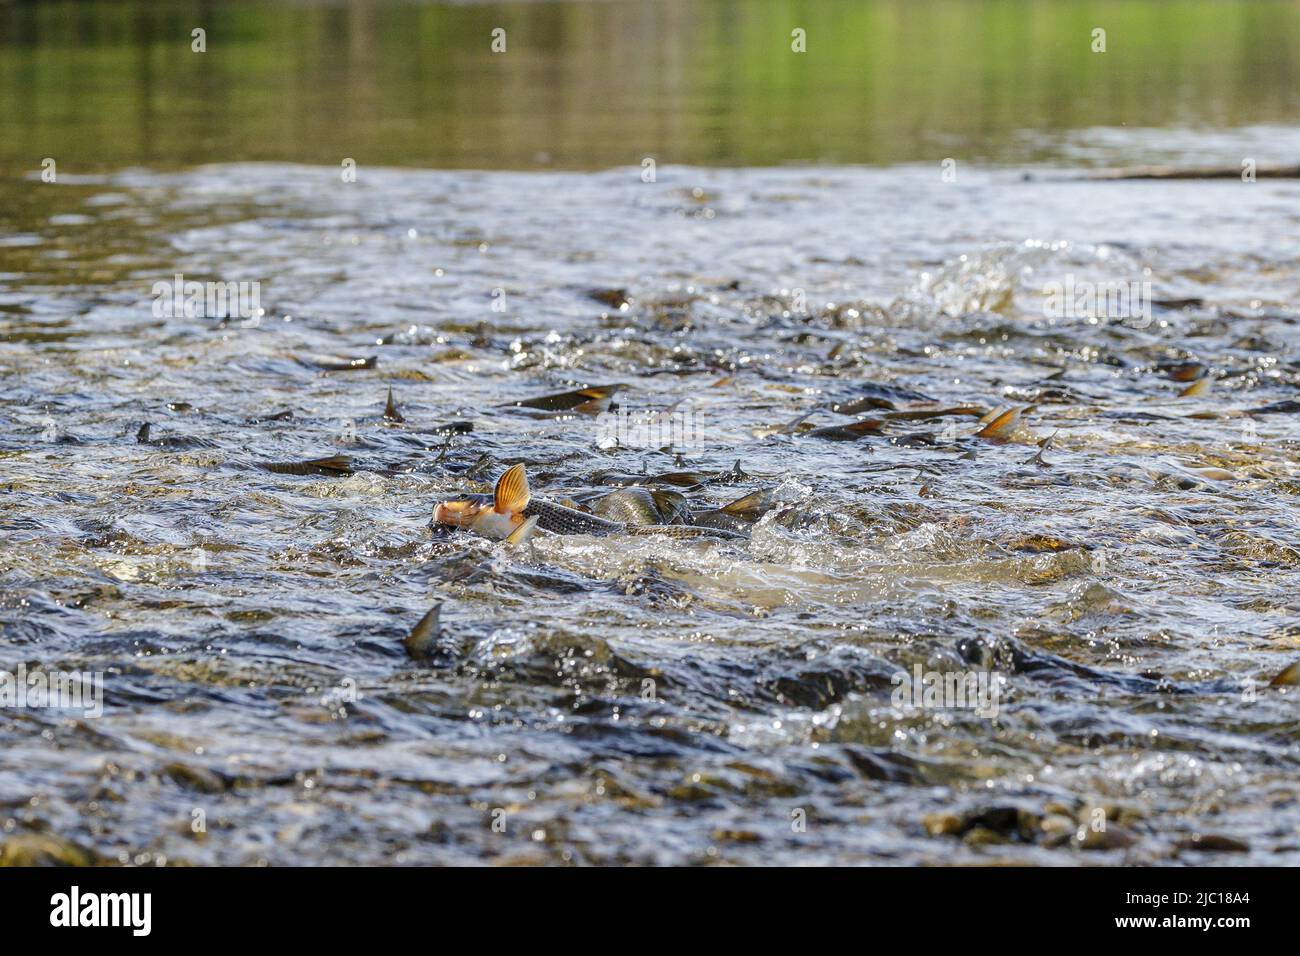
[(634, 699)]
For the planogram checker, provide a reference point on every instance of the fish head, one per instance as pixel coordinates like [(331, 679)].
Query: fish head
[(495, 516), (477, 514)]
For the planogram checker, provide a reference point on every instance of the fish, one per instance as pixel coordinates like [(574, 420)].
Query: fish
[(733, 475), (850, 432), (1198, 387), (789, 428), (1195, 172), (614, 298), (330, 364), (280, 416), (448, 428), (391, 414), (1182, 371), (915, 440), (1125, 415), (679, 479), (511, 508), (872, 393), (1287, 677), (524, 531), (752, 506), (620, 479), (1286, 407), (592, 400), (333, 465), (673, 506), (643, 506), (737, 515), (868, 403), (1044, 444), (921, 414), (1186, 476), (1001, 424), (144, 437), (419, 642)]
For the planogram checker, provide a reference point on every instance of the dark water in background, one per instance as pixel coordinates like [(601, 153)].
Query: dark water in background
[(105, 84), (1132, 600)]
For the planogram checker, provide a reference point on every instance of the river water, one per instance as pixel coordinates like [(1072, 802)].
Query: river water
[(1128, 588)]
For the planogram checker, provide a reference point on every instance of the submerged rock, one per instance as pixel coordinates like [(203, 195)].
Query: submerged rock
[(44, 849)]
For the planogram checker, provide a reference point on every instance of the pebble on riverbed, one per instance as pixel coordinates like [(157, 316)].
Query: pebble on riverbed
[(43, 849), (1089, 828), (1113, 837), (1213, 843)]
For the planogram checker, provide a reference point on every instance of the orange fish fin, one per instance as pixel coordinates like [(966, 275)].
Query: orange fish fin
[(1001, 427), (512, 492), (1288, 677), (523, 532)]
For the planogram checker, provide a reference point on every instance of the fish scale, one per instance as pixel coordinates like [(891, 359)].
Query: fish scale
[(561, 520)]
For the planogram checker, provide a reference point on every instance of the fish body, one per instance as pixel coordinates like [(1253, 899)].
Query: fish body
[(641, 506), (614, 298), (686, 531), (561, 520), (592, 400), (511, 508), (333, 465), (332, 364), (721, 520), (680, 479), (1277, 408), (923, 414), (1183, 371), (448, 428), (868, 403), (852, 432), (739, 515), (872, 395), (144, 437)]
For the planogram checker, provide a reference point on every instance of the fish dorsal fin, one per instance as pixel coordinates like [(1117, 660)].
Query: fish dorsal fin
[(420, 641), (1288, 677), (391, 413), (512, 492)]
